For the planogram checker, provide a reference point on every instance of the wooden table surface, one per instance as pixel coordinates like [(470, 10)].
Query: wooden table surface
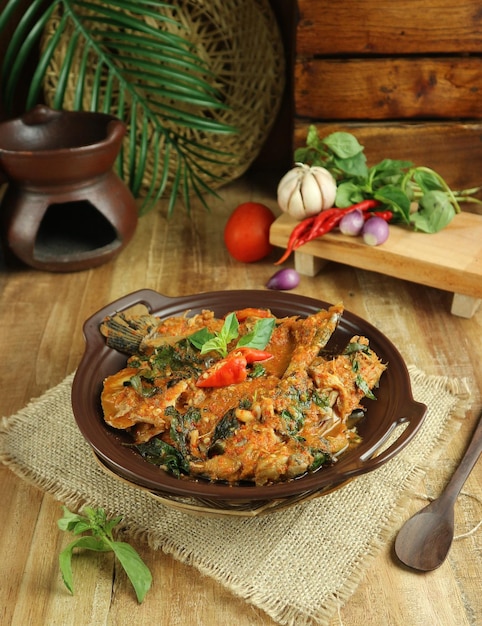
[(41, 317)]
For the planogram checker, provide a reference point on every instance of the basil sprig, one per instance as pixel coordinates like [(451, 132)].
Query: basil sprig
[(258, 338), (101, 540), (418, 196)]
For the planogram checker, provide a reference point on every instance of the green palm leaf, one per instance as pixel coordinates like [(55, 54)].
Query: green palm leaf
[(130, 59)]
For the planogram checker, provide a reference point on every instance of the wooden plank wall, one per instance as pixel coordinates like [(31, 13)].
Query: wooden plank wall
[(404, 77)]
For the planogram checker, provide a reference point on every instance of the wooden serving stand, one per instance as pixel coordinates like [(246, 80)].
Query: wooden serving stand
[(450, 259)]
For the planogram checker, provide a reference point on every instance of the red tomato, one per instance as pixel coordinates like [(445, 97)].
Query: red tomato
[(246, 233)]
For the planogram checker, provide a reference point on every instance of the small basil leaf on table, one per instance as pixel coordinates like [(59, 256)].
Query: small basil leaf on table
[(101, 540)]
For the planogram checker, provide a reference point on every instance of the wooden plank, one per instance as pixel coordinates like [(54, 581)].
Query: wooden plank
[(450, 260), (453, 149), (380, 89), (360, 27)]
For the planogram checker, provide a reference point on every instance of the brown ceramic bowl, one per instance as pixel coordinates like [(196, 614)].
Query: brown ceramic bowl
[(394, 406)]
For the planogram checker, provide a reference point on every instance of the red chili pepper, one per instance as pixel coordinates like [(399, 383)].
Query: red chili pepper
[(364, 205), (285, 255), (232, 369), (385, 215), (299, 231), (225, 372), (327, 224), (322, 223), (252, 354), (243, 314)]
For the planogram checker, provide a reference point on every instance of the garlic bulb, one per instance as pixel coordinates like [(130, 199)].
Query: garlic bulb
[(305, 191)]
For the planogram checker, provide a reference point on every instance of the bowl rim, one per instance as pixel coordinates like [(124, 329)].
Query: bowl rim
[(128, 464)]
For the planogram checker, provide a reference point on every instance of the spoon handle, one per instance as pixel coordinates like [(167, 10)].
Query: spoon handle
[(469, 459)]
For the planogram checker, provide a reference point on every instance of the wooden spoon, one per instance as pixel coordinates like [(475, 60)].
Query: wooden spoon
[(424, 540)]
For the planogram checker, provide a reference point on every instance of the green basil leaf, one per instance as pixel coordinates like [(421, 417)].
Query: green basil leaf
[(344, 145), (230, 328), (391, 167), (302, 155), (145, 391), (81, 527), (182, 425), (397, 199), (224, 429), (348, 193), (427, 180), (110, 525), (260, 335), (436, 212), (220, 342), (65, 562), (312, 139), (353, 166), (135, 568), (160, 453), (355, 346), (65, 557), (388, 172), (70, 520), (363, 386), (213, 344), (199, 338)]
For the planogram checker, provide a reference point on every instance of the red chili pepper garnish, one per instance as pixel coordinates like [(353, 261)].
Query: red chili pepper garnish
[(243, 314), (225, 372), (252, 354), (320, 224), (232, 369)]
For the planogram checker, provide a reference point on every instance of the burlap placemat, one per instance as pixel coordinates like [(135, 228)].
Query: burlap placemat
[(299, 565)]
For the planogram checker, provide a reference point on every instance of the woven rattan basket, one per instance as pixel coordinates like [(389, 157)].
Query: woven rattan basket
[(241, 44)]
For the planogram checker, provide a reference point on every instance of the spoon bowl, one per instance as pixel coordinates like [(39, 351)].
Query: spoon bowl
[(433, 531)]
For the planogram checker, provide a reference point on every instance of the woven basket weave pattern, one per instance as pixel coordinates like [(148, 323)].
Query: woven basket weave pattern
[(241, 45)]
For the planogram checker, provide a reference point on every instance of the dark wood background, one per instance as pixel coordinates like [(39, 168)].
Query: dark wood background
[(405, 77)]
